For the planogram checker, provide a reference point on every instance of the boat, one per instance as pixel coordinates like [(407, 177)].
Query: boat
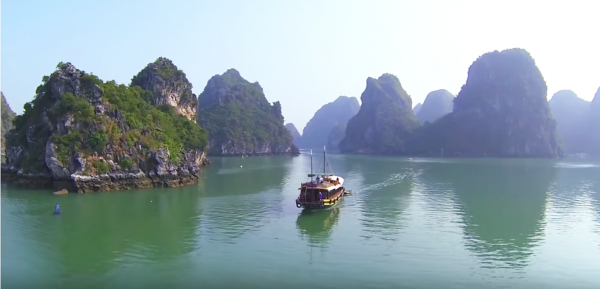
[(323, 190)]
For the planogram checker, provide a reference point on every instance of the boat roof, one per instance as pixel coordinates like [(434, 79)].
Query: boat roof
[(325, 185)]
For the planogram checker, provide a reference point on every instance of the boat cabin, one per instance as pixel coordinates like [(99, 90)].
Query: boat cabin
[(323, 188)]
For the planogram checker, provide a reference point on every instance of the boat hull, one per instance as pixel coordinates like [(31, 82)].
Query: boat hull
[(324, 204)]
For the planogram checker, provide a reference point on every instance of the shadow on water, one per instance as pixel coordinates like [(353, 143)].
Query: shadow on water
[(384, 195), (502, 204), (241, 199), (317, 225), (99, 232)]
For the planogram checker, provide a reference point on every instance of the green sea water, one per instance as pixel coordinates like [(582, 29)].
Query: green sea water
[(425, 223)]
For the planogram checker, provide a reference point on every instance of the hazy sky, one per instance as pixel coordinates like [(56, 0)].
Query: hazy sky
[(303, 53)]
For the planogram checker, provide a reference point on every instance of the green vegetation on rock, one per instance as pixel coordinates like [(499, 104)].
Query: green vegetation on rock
[(501, 111), (317, 131), (385, 120), (437, 104), (240, 120), (7, 121)]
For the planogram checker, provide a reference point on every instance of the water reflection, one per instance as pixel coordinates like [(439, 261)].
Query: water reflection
[(317, 225), (100, 231), (503, 205), (384, 195), (243, 193)]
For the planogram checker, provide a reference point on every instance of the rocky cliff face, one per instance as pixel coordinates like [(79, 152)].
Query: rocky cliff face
[(240, 120), (336, 136), (385, 120), (501, 111), (417, 108), (594, 125), (83, 134), (317, 131), (571, 114), (297, 138), (169, 85), (7, 118), (437, 104)]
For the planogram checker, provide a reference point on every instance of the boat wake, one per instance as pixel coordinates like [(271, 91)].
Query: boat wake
[(576, 166), (394, 179)]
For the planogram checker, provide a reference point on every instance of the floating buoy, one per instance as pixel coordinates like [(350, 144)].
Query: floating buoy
[(57, 209), (240, 166)]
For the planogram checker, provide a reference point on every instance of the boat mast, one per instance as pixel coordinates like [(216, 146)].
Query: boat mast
[(324, 162), (311, 171)]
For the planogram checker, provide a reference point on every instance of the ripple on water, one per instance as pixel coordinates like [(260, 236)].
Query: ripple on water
[(226, 219)]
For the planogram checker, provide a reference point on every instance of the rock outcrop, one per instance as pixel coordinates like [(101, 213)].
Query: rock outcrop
[(297, 138), (169, 85), (437, 104), (385, 120), (417, 108), (572, 115), (7, 123), (501, 111), (82, 134), (317, 131), (336, 136), (240, 120), (594, 126)]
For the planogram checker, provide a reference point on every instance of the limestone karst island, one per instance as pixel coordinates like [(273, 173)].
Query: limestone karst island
[(83, 134)]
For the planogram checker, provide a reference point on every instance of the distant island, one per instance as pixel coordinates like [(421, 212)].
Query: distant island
[(578, 121), (325, 127), (84, 134), (240, 120), (437, 104)]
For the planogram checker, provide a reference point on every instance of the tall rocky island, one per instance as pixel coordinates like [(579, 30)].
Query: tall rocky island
[(417, 108), (329, 121), (296, 137), (572, 115), (7, 122), (82, 134), (501, 111), (240, 120), (437, 104), (593, 142), (385, 121)]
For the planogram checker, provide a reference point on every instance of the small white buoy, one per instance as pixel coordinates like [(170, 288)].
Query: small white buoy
[(150, 201), (240, 166)]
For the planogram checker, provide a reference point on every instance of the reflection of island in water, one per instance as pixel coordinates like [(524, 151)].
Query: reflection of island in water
[(503, 206), (384, 196), (317, 225), (240, 194)]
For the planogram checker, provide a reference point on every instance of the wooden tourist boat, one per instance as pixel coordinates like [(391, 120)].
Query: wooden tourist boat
[(322, 191)]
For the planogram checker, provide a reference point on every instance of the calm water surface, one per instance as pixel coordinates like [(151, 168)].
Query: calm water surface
[(426, 223)]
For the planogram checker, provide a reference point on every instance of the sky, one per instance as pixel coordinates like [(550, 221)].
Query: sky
[(304, 53)]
